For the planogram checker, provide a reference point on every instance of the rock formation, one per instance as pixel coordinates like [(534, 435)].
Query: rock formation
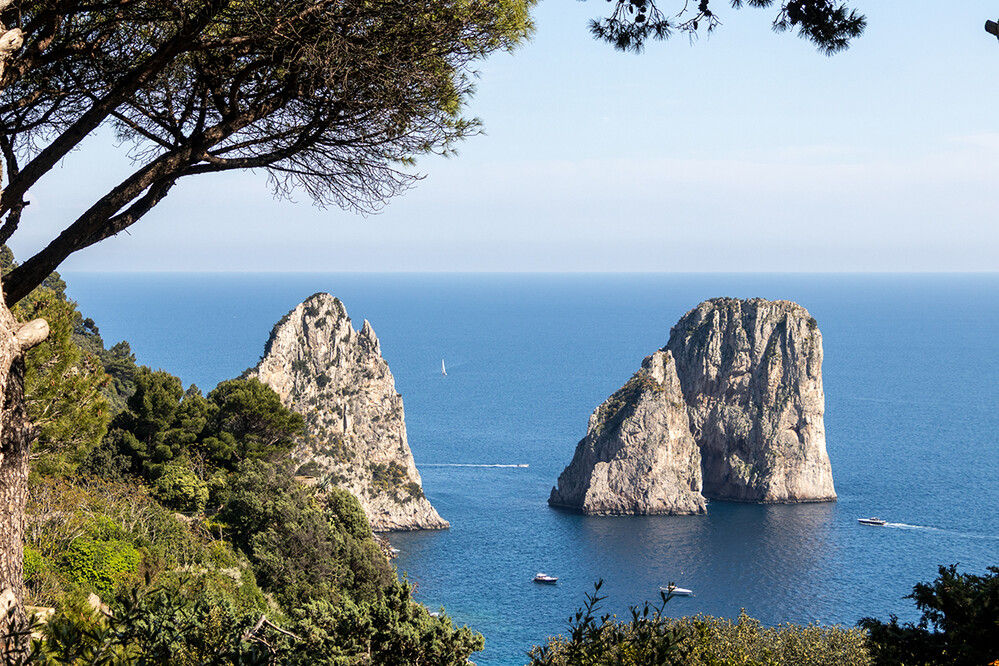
[(751, 372), (638, 456), (355, 429), (733, 404)]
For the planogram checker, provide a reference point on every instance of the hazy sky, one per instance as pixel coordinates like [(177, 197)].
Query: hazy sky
[(743, 151)]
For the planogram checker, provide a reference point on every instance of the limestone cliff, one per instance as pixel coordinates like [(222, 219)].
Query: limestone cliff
[(751, 372), (355, 429), (638, 456), (733, 404)]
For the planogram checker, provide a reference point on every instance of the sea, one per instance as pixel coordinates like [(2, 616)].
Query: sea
[(911, 378)]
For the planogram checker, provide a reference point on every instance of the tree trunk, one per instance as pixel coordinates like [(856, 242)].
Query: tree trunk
[(15, 439), (13, 468)]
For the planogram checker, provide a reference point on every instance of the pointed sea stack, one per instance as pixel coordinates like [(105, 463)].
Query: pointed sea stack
[(355, 428), (751, 372), (638, 456)]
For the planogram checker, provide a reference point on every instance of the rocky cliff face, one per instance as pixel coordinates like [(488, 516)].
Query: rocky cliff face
[(638, 456), (751, 372), (355, 429), (730, 409)]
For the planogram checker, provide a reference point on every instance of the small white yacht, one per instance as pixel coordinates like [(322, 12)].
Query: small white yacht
[(872, 521), (545, 578), (677, 591)]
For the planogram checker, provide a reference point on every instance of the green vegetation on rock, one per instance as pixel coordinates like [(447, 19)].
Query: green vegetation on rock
[(622, 402)]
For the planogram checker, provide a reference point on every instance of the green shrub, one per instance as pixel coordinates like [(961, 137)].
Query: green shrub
[(391, 630), (414, 490), (300, 549), (387, 477), (60, 511), (100, 565), (959, 624), (348, 512), (650, 637), (710, 640), (178, 487), (310, 468)]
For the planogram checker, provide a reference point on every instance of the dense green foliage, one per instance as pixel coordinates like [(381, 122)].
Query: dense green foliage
[(181, 622), (651, 637), (302, 549), (388, 631), (73, 523), (337, 598), (183, 443), (65, 385), (248, 421), (959, 624), (184, 623)]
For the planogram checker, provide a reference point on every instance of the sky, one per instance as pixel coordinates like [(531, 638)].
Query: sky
[(742, 151)]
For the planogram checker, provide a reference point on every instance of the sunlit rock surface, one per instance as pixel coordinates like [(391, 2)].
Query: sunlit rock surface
[(355, 427)]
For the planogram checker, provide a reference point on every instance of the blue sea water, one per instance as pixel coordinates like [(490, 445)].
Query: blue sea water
[(910, 374)]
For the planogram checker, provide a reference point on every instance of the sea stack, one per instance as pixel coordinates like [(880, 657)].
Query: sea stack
[(751, 372), (638, 456), (741, 382), (355, 427)]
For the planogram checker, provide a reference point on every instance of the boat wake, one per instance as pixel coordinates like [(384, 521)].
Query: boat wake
[(927, 528), (467, 465)]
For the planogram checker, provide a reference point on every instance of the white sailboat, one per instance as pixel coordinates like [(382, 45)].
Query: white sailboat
[(443, 369)]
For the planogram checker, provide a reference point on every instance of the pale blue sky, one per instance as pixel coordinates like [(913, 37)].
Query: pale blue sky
[(744, 151)]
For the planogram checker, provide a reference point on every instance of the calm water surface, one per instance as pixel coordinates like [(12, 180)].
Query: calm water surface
[(910, 373)]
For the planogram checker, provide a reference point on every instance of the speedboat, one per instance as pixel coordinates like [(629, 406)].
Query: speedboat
[(872, 521), (545, 578), (677, 591)]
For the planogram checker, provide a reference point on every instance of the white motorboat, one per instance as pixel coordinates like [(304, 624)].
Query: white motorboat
[(872, 521), (677, 591), (545, 578)]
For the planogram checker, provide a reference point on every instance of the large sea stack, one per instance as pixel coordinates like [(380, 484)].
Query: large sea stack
[(751, 372), (638, 456), (742, 384), (355, 429)]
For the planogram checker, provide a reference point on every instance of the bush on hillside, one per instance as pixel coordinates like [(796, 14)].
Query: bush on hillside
[(650, 637), (959, 624), (72, 527), (300, 549)]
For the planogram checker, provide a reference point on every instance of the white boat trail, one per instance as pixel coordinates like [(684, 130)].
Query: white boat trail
[(940, 530)]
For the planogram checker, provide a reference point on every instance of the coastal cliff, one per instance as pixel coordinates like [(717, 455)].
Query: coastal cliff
[(355, 427), (731, 408), (638, 456), (751, 372)]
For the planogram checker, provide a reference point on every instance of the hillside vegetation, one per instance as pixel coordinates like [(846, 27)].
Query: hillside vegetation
[(165, 526)]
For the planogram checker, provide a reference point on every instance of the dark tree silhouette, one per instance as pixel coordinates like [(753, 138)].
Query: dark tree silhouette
[(828, 24)]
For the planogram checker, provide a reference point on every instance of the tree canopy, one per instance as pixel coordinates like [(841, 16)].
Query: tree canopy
[(331, 97), (830, 25)]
